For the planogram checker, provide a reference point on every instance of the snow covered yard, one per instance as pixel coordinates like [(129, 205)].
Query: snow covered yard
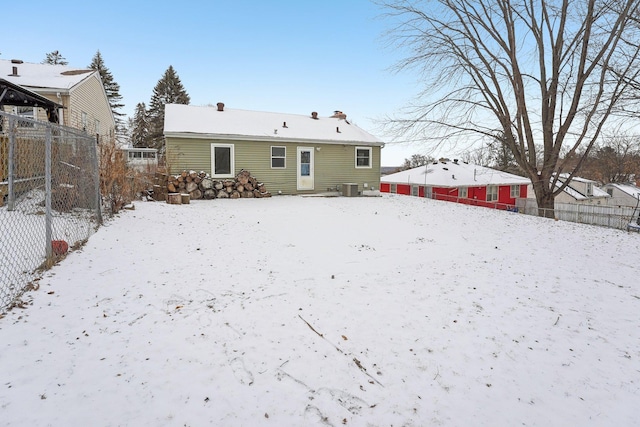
[(302, 311)]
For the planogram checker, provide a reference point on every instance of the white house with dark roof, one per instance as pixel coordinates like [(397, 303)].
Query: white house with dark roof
[(289, 153), (622, 194), (579, 191), (79, 91), (460, 182)]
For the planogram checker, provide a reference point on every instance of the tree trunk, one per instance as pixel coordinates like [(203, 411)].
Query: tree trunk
[(545, 198)]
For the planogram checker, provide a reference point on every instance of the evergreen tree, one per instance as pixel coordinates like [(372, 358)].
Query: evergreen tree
[(112, 90), (54, 58), (168, 90), (139, 126)]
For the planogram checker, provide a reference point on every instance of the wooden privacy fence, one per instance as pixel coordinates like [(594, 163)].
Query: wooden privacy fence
[(603, 215)]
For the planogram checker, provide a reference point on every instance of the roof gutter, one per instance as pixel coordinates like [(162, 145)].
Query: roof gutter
[(221, 137)]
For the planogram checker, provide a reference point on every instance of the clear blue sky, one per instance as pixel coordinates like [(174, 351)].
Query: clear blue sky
[(282, 55)]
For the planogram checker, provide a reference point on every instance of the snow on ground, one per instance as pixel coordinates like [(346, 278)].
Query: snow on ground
[(303, 311)]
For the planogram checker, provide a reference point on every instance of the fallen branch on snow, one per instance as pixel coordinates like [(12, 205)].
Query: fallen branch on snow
[(355, 360)]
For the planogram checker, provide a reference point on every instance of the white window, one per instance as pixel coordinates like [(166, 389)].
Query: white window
[(363, 157), (515, 191), (492, 193), (278, 157), (589, 189), (97, 126), (463, 192), (27, 113), (84, 121), (415, 190), (428, 192), (394, 188), (222, 161)]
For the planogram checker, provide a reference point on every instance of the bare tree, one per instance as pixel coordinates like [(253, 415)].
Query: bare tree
[(551, 72), (415, 161), (479, 155), (616, 159)]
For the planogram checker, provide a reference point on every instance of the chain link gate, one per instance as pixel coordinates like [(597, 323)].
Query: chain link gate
[(49, 199)]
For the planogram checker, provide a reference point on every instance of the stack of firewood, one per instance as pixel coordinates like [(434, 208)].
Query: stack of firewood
[(200, 185)]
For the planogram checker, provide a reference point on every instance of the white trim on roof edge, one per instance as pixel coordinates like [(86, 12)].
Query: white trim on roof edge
[(217, 136)]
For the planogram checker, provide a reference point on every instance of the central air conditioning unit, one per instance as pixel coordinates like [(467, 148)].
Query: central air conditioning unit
[(350, 190)]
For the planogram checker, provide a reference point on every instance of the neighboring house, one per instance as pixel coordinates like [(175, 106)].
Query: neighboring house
[(141, 159), (622, 194), (290, 154), (458, 182), (79, 91), (579, 191)]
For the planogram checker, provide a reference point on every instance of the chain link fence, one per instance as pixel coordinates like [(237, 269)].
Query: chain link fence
[(49, 199)]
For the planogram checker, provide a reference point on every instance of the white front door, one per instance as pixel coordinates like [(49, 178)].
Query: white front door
[(305, 168)]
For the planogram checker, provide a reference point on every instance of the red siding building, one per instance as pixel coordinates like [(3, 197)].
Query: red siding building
[(459, 182)]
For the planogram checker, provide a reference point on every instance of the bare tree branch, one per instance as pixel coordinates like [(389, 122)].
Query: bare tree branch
[(547, 75)]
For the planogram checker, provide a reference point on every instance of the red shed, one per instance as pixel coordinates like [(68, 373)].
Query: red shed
[(459, 182)]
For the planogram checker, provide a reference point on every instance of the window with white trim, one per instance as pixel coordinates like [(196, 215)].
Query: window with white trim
[(222, 160), (515, 191), (278, 157), (97, 126), (415, 190), (589, 188), (83, 118), (463, 193), (27, 113), (492, 193), (394, 188), (363, 157)]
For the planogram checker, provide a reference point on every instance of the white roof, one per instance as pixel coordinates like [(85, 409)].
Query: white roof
[(207, 121), (628, 189), (597, 191), (43, 76), (454, 174)]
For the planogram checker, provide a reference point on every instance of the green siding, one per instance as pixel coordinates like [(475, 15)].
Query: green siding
[(334, 164)]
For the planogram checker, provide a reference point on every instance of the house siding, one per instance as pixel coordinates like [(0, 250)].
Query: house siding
[(83, 98), (334, 164), (476, 196)]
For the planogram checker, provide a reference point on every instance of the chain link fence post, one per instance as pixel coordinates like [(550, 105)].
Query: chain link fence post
[(96, 179), (10, 167), (47, 194)]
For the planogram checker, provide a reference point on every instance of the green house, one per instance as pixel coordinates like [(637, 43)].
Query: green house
[(289, 153)]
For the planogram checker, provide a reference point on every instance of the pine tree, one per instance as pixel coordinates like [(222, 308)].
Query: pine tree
[(168, 90), (139, 127), (112, 90), (54, 58)]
